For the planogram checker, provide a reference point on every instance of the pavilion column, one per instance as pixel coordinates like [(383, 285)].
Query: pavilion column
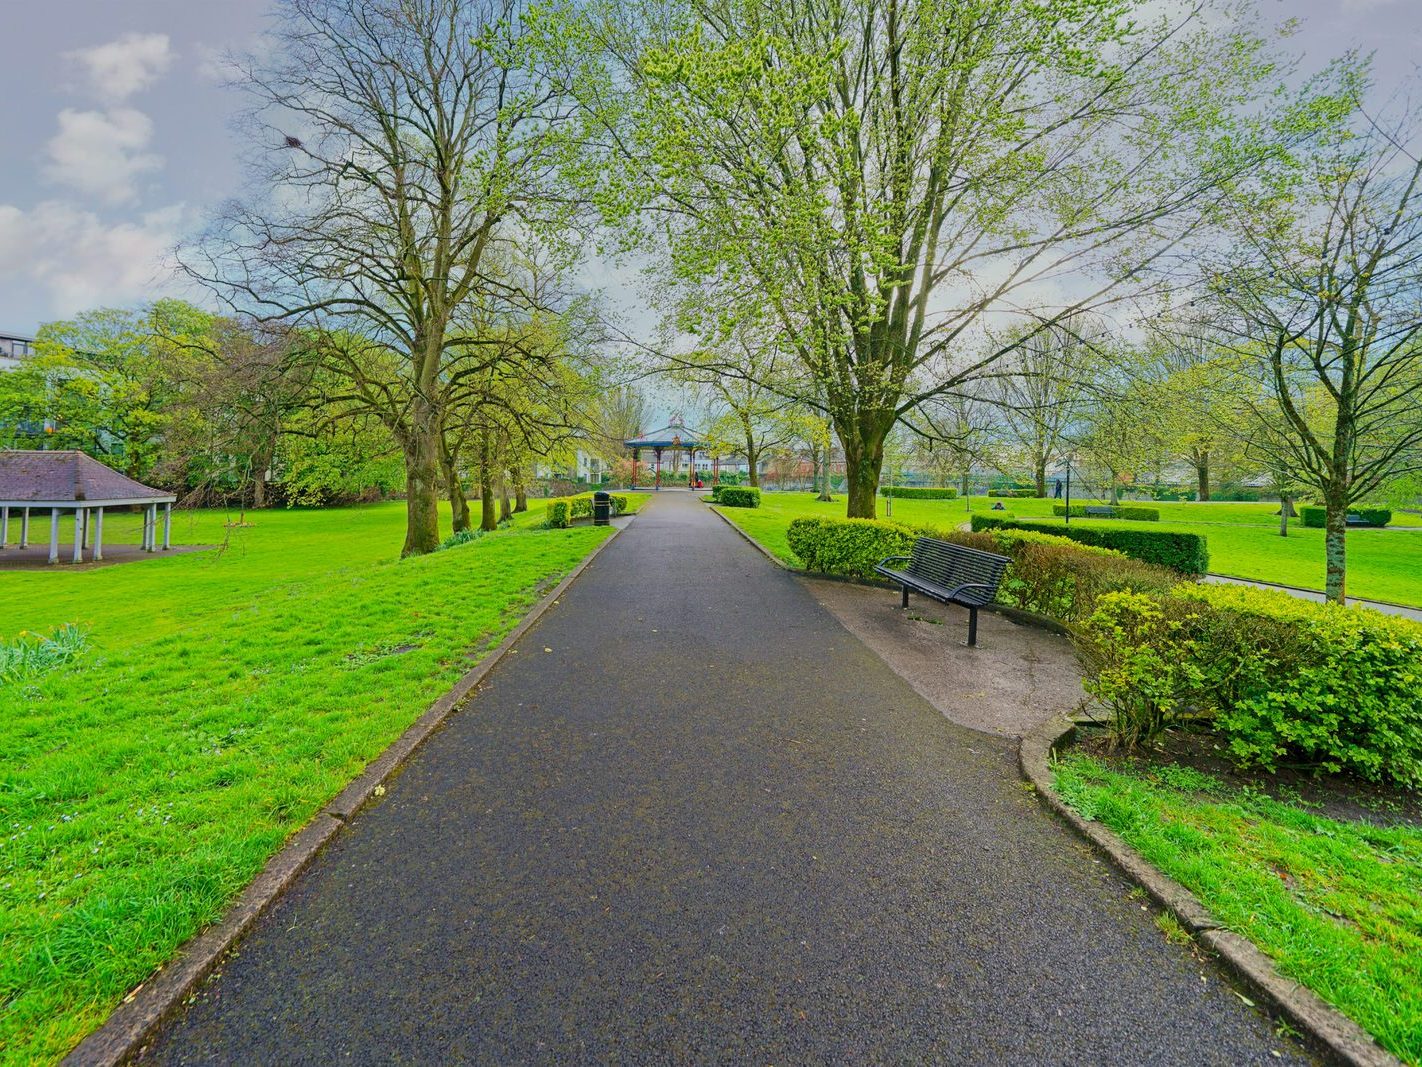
[(54, 535), (143, 538), (98, 553), (658, 481), (152, 512), (4, 526), (167, 527), (25, 528), (78, 535)]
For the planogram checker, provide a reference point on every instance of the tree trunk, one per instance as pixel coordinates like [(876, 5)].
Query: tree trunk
[(422, 448), (505, 503), (1335, 542), (1202, 474), (863, 462), (825, 494), (487, 519), (1286, 508), (520, 491), (1041, 475), (458, 502), (753, 461)]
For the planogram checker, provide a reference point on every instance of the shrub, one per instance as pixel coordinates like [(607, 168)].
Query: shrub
[(1183, 552), (733, 478), (460, 537), (739, 496), (918, 492), (564, 510), (847, 547), (1315, 516), (1143, 663), (1287, 680), (1118, 511), (1019, 493), (29, 655), (1048, 575)]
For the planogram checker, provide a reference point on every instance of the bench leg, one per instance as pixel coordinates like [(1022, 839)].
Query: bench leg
[(905, 589), (972, 627)]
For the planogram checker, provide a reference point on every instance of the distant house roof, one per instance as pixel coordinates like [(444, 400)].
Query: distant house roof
[(63, 479)]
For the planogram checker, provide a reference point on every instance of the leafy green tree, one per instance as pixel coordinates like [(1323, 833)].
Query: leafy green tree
[(885, 178)]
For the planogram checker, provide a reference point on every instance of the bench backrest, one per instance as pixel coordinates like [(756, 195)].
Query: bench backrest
[(947, 564), (1100, 509)]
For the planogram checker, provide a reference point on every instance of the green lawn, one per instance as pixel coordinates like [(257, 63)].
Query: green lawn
[(225, 697), (1337, 905), (1243, 539)]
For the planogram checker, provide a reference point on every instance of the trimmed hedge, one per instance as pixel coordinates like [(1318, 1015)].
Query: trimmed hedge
[(1013, 493), (1048, 575), (738, 496), (563, 510), (1183, 552), (1118, 511), (918, 492), (1286, 680), (1315, 517)]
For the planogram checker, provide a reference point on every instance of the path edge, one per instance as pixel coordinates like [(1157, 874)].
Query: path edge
[(1344, 1040), (134, 1022)]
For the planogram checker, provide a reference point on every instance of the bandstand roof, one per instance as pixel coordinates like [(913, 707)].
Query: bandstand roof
[(66, 479), (673, 436)]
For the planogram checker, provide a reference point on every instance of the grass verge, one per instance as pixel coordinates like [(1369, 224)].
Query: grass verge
[(220, 699), (1336, 904)]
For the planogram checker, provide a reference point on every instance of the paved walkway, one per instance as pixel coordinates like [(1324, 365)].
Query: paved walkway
[(709, 825)]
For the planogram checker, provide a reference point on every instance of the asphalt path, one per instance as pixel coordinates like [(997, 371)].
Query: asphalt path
[(694, 820)]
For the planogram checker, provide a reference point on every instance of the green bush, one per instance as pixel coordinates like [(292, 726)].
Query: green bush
[(1048, 575), (1315, 516), (739, 496), (918, 492), (460, 537), (1183, 552), (1118, 511), (563, 510), (1017, 493), (847, 547), (1286, 680), (29, 655), (733, 478)]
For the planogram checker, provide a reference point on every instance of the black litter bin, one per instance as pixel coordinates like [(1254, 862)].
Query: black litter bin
[(602, 508)]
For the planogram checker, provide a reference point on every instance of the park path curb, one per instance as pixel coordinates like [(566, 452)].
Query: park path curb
[(1339, 1036), (135, 1020)]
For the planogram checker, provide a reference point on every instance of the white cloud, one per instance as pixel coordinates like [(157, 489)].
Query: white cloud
[(81, 261), (102, 153), (122, 67)]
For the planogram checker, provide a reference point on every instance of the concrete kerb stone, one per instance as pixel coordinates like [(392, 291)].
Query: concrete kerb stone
[(134, 1021), (1342, 1038)]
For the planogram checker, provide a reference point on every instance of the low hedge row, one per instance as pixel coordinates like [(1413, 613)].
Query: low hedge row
[(1183, 552), (918, 492), (1314, 516), (1286, 681), (736, 496), (1048, 575), (1118, 511), (1017, 493), (563, 510)]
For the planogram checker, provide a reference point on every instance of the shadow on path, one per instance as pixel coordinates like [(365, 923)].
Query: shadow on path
[(709, 825)]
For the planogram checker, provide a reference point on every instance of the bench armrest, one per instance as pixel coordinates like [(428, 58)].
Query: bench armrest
[(891, 559)]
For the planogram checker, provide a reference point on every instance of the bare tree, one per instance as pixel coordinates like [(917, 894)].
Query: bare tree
[(400, 143), (1325, 303)]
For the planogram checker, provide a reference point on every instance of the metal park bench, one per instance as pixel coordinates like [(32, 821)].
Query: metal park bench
[(948, 573), (1100, 511)]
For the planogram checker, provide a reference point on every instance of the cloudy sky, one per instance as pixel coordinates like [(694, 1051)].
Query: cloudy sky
[(116, 137)]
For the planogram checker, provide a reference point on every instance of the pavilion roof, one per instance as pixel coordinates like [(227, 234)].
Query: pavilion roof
[(673, 436), (63, 479)]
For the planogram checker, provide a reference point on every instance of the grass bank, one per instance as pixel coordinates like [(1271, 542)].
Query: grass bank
[(223, 698), (1336, 903), (1243, 539)]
